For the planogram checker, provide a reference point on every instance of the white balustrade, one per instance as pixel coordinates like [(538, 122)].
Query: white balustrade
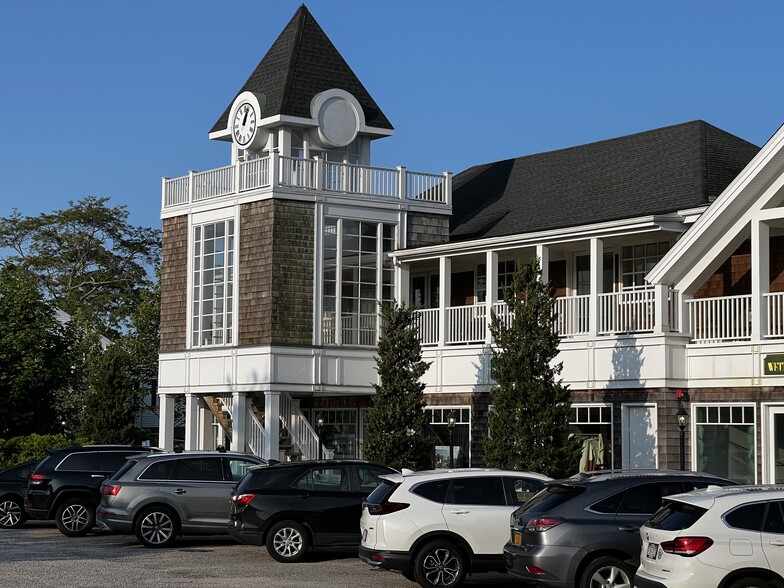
[(213, 183), (630, 311), (176, 191), (720, 319), (427, 324), (503, 312), (297, 172), (571, 315), (427, 187), (775, 311), (466, 324), (254, 174), (254, 432)]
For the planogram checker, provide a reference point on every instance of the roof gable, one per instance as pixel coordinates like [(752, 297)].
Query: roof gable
[(654, 172), (301, 63)]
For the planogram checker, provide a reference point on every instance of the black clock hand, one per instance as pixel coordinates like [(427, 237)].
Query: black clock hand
[(245, 118)]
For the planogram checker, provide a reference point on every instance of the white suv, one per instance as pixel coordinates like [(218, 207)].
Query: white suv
[(729, 537), (437, 526)]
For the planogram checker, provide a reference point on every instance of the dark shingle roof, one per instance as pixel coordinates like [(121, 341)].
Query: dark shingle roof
[(301, 63), (654, 172)]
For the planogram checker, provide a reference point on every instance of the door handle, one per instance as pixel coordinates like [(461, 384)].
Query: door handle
[(179, 491), (97, 476), (462, 511), (777, 543), (629, 528)]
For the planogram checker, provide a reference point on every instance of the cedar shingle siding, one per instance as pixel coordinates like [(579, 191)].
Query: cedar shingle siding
[(174, 284), (733, 278), (427, 229)]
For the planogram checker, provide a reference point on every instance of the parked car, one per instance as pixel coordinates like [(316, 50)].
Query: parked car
[(13, 493), (730, 537), (161, 496), (440, 525), (584, 531), (293, 506), (65, 485)]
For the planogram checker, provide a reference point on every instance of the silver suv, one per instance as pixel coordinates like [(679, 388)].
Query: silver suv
[(163, 495)]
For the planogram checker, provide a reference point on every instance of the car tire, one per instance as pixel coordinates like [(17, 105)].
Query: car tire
[(288, 542), (440, 563), (157, 526), (607, 572), (751, 582), (12, 512), (75, 518)]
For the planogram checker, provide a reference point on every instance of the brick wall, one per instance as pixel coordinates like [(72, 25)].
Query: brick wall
[(174, 284), (427, 229)]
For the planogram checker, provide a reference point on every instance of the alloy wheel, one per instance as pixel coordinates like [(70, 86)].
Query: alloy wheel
[(288, 542), (156, 528), (10, 514), (75, 517), (441, 567)]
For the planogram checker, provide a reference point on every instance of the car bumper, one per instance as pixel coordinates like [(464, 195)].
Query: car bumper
[(244, 535), (553, 562), (388, 560), (640, 582), (109, 521)]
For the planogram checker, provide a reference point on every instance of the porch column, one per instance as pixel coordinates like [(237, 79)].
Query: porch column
[(760, 278), (191, 421), (684, 314), (597, 257), (543, 253), (444, 297), (403, 284), (166, 422), (206, 439), (491, 289), (271, 425), (238, 418), (661, 314)]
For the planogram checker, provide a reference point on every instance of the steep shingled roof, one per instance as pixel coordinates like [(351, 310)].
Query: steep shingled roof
[(301, 63), (654, 172)]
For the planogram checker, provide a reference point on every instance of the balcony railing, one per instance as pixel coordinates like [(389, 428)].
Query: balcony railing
[(307, 174), (720, 319)]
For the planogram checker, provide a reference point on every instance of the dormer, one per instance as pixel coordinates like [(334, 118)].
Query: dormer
[(303, 100)]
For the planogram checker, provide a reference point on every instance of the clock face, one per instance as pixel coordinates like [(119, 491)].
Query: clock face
[(244, 125)]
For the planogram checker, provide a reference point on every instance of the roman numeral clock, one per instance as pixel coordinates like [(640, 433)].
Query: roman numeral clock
[(244, 120)]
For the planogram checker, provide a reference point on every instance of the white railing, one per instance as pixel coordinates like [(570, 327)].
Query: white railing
[(571, 315), (720, 319), (307, 174), (254, 434), (302, 434), (466, 324), (427, 324), (358, 329), (627, 312), (226, 403), (775, 312), (503, 312)]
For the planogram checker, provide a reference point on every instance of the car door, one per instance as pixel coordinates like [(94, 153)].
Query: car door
[(476, 509), (323, 495), (773, 536), (198, 491), (637, 506)]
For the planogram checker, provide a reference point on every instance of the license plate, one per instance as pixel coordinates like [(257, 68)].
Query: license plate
[(517, 538), (653, 548)]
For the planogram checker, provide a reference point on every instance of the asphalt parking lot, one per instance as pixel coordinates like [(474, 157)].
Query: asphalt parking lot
[(38, 556)]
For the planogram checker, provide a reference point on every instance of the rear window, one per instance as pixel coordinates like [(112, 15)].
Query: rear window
[(551, 497), (676, 516), (381, 492), (79, 462), (125, 467), (435, 491), (263, 478)]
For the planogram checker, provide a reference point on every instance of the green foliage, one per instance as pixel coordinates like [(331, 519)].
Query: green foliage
[(529, 428), (20, 449), (396, 421), (35, 356)]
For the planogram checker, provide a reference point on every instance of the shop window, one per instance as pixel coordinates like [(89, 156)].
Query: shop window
[(458, 437), (591, 426), (725, 441)]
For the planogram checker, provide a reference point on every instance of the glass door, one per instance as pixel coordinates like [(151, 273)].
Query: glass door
[(775, 465)]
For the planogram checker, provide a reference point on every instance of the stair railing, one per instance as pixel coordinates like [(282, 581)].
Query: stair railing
[(254, 432), (302, 433)]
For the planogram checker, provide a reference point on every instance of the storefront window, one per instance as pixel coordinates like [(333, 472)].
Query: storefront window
[(339, 431), (458, 436), (591, 427), (726, 441)]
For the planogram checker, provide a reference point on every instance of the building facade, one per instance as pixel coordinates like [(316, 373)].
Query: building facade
[(662, 248)]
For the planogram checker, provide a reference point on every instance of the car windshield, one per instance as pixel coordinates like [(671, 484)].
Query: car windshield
[(676, 516), (552, 496)]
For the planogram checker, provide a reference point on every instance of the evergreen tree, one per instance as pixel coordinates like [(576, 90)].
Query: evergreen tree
[(529, 428), (396, 421)]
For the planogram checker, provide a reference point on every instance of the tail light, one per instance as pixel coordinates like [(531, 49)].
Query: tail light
[(110, 489), (243, 499), (544, 523), (687, 546), (386, 507), (37, 477)]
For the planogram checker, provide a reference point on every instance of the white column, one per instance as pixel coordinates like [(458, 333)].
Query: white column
[(661, 314), (238, 421), (403, 283), (271, 425), (760, 278), (597, 258), (444, 296), (491, 289), (166, 422), (543, 253), (191, 421), (206, 439)]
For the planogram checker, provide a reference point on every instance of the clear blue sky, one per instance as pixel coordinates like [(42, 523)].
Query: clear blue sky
[(105, 97)]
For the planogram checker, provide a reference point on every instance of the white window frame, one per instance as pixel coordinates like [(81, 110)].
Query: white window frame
[(693, 426)]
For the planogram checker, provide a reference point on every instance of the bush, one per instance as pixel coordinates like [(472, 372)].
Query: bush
[(20, 449)]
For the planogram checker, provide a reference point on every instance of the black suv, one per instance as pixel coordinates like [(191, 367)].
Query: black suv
[(292, 506), (585, 531), (13, 490), (65, 486)]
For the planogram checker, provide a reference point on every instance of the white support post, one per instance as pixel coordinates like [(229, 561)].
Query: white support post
[(401, 182), (319, 183), (206, 436), (684, 314), (274, 164), (760, 278), (191, 421), (190, 186), (661, 323), (597, 258), (271, 425), (448, 188), (491, 290), (543, 253), (444, 296), (166, 422), (237, 179), (403, 283), (238, 421), (164, 179)]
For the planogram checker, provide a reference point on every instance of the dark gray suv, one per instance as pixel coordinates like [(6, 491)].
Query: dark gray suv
[(584, 531), (158, 497)]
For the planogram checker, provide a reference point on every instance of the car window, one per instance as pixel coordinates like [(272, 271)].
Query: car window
[(611, 504), (382, 492), (747, 517), (239, 467), (486, 490), (647, 498), (333, 479), (368, 477), (158, 470), (552, 496), (79, 462), (676, 516), (774, 521), (521, 490), (124, 468), (199, 469), (435, 491), (111, 461)]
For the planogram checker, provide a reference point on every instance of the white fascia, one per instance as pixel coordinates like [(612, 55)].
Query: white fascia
[(645, 224), (298, 121)]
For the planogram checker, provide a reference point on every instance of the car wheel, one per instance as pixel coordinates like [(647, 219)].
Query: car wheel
[(12, 513), (288, 542), (751, 583), (440, 563), (157, 526), (607, 572), (75, 518)]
